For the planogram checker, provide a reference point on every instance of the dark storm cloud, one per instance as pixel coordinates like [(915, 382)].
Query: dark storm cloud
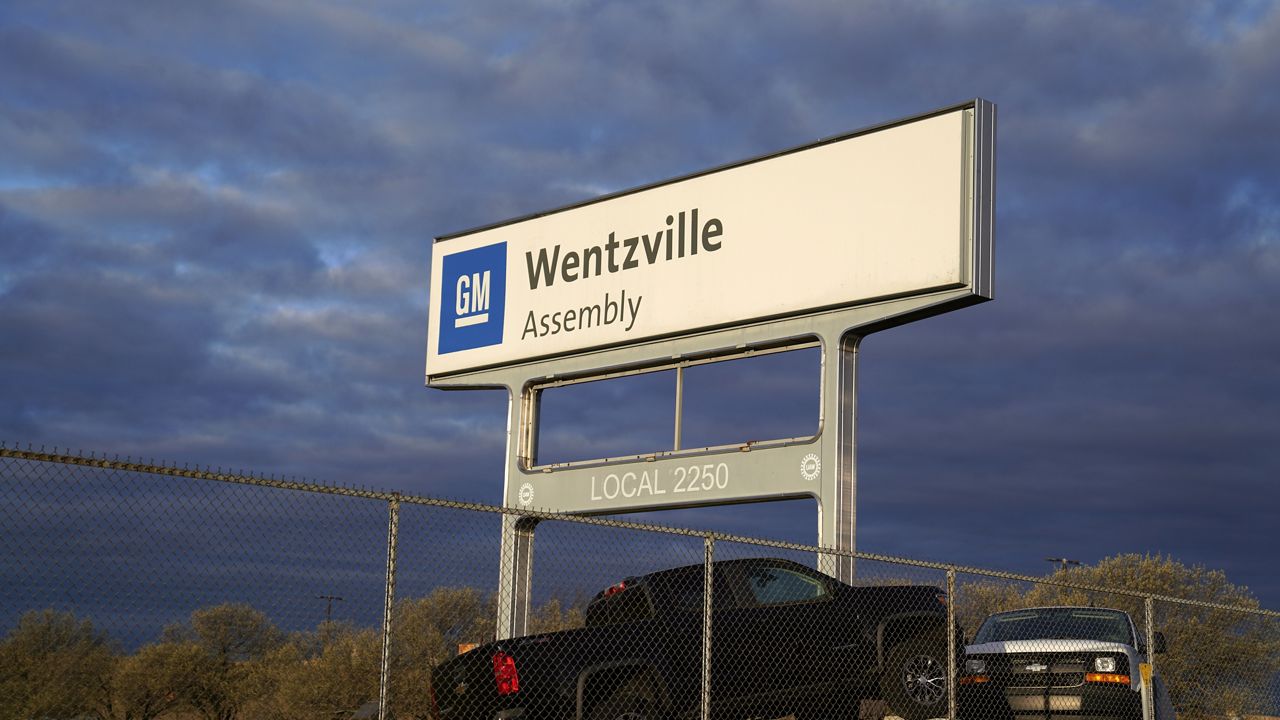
[(176, 111), (216, 226)]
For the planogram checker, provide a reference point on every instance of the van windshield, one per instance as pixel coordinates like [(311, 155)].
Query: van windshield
[(1057, 623)]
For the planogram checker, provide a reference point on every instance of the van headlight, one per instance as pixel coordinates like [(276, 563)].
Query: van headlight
[(975, 667), (1104, 664)]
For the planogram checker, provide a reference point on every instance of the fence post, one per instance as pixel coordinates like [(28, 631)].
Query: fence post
[(951, 643), (708, 545), (1149, 677), (384, 675)]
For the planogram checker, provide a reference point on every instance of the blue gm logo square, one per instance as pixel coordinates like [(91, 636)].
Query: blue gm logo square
[(473, 298)]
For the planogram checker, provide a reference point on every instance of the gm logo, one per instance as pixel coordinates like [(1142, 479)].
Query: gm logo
[(473, 298)]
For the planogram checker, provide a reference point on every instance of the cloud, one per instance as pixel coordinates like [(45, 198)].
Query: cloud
[(217, 228)]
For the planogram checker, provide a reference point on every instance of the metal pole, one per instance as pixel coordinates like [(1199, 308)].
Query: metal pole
[(384, 676), (515, 583), (951, 643), (837, 508), (515, 554), (1149, 677), (708, 544)]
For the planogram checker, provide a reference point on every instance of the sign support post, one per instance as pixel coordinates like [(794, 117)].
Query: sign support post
[(837, 522), (515, 576)]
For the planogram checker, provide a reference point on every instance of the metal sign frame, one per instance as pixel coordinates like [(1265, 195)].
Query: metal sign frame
[(821, 467)]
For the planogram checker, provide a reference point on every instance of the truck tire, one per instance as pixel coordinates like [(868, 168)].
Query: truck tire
[(914, 684), (634, 700)]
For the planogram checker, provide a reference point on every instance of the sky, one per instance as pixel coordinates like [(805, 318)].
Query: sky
[(216, 224)]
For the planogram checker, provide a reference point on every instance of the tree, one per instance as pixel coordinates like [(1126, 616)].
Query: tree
[(427, 631), (234, 639), (157, 679), (230, 632), (1218, 661), (55, 665), (551, 617), (326, 674), (974, 601)]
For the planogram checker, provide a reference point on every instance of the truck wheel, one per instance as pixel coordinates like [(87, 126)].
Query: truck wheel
[(914, 683), (633, 701)]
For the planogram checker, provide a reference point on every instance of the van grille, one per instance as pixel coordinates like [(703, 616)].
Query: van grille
[(1042, 671)]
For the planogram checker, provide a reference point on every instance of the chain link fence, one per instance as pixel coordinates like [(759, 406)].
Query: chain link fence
[(133, 590)]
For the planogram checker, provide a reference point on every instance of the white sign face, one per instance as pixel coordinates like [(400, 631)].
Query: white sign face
[(864, 218)]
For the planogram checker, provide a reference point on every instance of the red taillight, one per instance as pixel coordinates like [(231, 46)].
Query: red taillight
[(615, 589), (504, 673)]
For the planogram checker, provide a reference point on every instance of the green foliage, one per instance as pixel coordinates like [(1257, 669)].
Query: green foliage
[(230, 672), (426, 632), (551, 617), (327, 674), (157, 679), (1218, 661), (974, 601), (228, 632), (53, 665), (229, 662)]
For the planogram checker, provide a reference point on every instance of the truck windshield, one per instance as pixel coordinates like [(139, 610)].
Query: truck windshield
[(1057, 623)]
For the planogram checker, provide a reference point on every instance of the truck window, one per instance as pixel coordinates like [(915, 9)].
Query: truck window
[(683, 593), (630, 604), (776, 586)]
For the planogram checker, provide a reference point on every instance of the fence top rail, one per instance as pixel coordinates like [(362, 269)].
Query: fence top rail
[(261, 480)]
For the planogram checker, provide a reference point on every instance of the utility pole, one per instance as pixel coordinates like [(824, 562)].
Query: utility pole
[(328, 606), (1064, 561)]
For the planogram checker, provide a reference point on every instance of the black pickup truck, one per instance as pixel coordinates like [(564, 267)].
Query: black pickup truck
[(785, 640)]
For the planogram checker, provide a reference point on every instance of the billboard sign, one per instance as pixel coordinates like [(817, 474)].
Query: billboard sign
[(875, 215)]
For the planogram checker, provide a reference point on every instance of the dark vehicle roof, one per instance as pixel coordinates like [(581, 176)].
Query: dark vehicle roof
[(673, 589), (674, 573)]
